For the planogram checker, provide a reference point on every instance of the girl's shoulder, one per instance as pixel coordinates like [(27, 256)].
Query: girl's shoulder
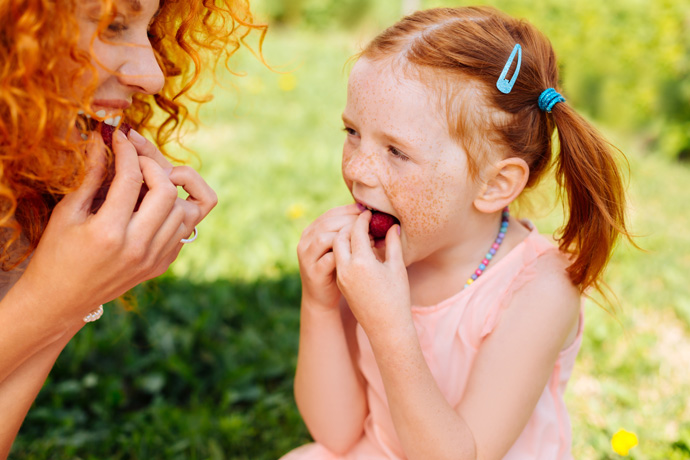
[(532, 280)]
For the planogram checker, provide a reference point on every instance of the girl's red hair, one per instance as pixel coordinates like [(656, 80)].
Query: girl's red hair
[(466, 50), (39, 161)]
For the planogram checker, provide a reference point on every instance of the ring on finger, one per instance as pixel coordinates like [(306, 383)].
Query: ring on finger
[(192, 238)]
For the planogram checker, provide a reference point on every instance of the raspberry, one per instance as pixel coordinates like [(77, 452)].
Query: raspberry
[(107, 132), (380, 223)]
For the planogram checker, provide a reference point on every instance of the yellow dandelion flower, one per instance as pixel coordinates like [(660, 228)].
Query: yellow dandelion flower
[(295, 211), (287, 82), (622, 441)]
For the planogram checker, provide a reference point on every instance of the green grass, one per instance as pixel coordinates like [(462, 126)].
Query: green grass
[(203, 369)]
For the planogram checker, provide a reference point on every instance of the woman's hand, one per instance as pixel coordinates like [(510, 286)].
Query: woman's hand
[(377, 292), (86, 259), (316, 259)]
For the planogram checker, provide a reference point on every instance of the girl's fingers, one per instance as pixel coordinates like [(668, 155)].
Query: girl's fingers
[(199, 191), (82, 198), (360, 241), (146, 148), (326, 264), (342, 249), (394, 254), (124, 191)]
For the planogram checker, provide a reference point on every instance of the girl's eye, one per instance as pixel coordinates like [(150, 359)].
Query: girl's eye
[(397, 153), (350, 131)]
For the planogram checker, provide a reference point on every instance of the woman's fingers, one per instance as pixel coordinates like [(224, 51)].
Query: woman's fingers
[(146, 148), (124, 190), (199, 191), (179, 224), (82, 198), (157, 204)]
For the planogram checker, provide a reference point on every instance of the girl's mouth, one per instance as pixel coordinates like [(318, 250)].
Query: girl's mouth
[(380, 223)]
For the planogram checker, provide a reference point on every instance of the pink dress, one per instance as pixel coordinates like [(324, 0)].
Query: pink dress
[(450, 334)]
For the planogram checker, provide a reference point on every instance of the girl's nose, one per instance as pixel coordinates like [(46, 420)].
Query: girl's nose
[(360, 167), (141, 70)]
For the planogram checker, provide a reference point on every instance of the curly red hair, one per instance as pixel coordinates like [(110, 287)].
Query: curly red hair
[(39, 160)]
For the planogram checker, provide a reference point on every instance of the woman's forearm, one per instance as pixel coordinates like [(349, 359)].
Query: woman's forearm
[(28, 324), (19, 389)]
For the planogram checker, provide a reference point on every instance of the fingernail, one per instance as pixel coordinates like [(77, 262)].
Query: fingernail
[(136, 138), (399, 230), (360, 207), (120, 135)]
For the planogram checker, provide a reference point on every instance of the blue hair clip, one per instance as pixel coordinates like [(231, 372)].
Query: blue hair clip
[(503, 84), (548, 99)]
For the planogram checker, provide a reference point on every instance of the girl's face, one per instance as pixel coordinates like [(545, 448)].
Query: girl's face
[(122, 54), (399, 158)]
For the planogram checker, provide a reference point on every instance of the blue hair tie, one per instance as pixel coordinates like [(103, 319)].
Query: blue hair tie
[(503, 84), (548, 99)]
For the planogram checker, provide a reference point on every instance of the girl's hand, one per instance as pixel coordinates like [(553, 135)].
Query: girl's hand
[(316, 259), (378, 293), (85, 259)]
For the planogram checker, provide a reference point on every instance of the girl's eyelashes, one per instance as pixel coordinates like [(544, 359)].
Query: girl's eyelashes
[(397, 153), (350, 131)]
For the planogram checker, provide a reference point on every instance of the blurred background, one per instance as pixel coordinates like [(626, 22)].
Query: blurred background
[(203, 366)]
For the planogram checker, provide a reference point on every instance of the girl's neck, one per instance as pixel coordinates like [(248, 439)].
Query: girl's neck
[(444, 273)]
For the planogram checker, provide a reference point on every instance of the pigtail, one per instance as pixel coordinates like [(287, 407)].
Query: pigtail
[(593, 196)]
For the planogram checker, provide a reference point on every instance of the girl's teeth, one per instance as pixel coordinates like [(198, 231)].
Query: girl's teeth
[(110, 121), (101, 114)]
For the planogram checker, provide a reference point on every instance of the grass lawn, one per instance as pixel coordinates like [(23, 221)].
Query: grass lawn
[(203, 368)]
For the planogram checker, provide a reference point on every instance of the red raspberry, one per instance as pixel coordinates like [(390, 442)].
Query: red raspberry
[(107, 132), (380, 223)]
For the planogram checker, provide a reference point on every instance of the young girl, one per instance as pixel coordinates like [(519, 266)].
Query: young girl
[(63, 256), (454, 336)]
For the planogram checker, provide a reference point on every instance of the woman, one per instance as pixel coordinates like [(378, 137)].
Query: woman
[(64, 253)]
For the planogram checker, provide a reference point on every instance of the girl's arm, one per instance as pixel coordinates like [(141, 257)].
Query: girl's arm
[(328, 389), (509, 373)]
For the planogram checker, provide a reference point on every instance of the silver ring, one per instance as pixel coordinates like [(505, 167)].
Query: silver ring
[(94, 315), (189, 240)]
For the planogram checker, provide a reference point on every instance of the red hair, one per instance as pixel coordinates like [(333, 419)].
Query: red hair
[(39, 162), (466, 50)]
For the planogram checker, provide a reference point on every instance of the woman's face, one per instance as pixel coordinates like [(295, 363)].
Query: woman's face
[(122, 54)]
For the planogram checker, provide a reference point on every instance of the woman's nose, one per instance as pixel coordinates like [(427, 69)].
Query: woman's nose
[(141, 70), (360, 167)]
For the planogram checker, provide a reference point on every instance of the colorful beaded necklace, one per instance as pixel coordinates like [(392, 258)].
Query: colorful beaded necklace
[(492, 250)]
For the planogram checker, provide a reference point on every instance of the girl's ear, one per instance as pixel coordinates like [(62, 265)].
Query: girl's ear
[(503, 182)]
